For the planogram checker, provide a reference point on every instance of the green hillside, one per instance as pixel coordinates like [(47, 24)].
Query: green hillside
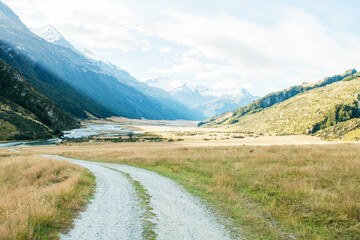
[(330, 111), (26, 114), (273, 98), (65, 96)]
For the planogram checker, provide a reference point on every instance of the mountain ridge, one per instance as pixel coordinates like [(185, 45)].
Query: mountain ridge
[(26, 114), (273, 98), (329, 109), (82, 74), (51, 34), (68, 98)]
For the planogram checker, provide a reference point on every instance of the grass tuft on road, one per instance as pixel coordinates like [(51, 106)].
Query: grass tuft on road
[(143, 197), (40, 196)]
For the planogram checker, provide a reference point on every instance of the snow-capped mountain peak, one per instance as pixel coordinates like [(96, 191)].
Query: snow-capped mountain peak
[(52, 35)]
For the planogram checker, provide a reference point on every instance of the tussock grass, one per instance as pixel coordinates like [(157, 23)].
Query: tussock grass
[(295, 115), (40, 196), (270, 192)]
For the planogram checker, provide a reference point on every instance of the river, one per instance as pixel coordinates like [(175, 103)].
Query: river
[(87, 130)]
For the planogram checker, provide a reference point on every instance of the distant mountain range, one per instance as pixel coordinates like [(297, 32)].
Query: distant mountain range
[(156, 93), (201, 98), (100, 82), (328, 108), (225, 103)]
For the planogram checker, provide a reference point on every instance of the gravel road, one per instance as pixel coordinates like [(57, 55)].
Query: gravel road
[(115, 214)]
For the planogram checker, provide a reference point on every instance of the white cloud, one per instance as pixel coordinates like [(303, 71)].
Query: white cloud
[(163, 82), (218, 50), (185, 65), (165, 50), (296, 48), (296, 38), (87, 23)]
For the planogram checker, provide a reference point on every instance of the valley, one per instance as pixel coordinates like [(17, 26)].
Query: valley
[(263, 187), (179, 120)]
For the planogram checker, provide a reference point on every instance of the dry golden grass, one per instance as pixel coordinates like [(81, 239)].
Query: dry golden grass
[(270, 192), (39, 196)]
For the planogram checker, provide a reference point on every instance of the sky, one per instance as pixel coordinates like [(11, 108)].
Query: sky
[(226, 45)]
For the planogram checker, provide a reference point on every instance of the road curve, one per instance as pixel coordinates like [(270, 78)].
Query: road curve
[(114, 213)]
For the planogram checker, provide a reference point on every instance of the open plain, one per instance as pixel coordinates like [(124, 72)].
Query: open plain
[(261, 187)]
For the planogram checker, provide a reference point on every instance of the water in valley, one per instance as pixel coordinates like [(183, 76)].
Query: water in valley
[(87, 130)]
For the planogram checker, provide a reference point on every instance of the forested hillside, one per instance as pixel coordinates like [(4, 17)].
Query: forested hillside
[(26, 114)]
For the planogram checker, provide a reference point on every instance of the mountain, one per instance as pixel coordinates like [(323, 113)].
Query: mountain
[(190, 97), (156, 93), (328, 108), (52, 35), (225, 103), (271, 99), (80, 73), (201, 99), (26, 114), (62, 93)]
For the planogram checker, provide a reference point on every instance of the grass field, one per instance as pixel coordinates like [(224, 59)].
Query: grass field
[(268, 192), (40, 196)]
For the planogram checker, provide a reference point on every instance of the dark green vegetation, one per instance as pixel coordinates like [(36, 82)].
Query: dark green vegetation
[(337, 114), (304, 109), (64, 95), (125, 139), (26, 114)]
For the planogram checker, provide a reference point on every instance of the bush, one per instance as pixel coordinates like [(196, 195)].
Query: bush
[(339, 113)]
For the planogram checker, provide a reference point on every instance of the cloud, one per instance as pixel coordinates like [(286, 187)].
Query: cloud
[(221, 50), (186, 65), (165, 50), (296, 38), (294, 48), (108, 24)]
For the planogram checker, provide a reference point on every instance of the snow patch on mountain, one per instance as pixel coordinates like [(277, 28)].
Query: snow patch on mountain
[(91, 55), (203, 99), (52, 35)]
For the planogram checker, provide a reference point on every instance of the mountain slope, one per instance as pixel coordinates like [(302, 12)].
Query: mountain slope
[(24, 112), (158, 94), (51, 34), (65, 96), (321, 108), (272, 99), (82, 74)]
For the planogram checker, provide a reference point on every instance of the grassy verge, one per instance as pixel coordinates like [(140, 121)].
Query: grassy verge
[(40, 196), (269, 192)]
